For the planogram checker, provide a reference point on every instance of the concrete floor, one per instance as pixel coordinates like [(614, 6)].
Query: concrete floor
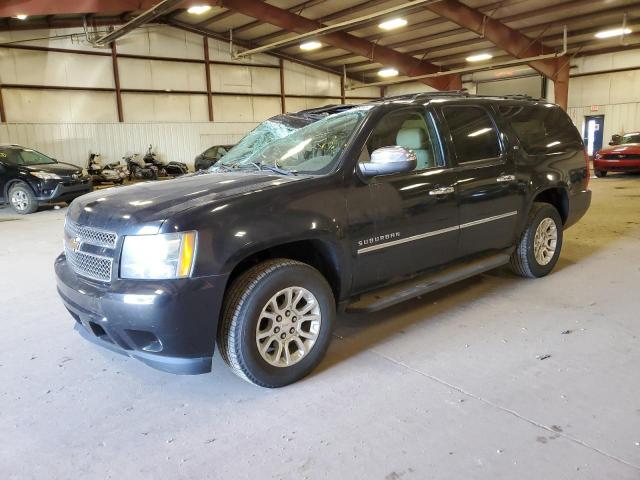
[(449, 386)]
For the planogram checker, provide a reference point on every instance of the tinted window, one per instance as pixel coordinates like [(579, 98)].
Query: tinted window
[(541, 128), (409, 129), (473, 133)]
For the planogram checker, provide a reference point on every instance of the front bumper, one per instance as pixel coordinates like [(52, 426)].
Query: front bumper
[(614, 165), (64, 191), (169, 325)]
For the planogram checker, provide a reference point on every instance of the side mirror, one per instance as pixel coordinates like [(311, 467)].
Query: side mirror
[(388, 160)]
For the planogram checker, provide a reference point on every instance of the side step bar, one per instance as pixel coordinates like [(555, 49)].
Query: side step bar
[(388, 296)]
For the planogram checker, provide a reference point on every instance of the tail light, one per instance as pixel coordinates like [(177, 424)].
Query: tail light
[(588, 162)]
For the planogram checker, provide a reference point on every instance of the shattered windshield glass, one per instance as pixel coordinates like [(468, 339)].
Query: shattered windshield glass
[(313, 149), (256, 140)]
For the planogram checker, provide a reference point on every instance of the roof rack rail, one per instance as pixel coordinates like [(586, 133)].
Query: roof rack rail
[(413, 96), (520, 96)]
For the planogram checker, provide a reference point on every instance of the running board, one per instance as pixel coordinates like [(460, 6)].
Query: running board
[(388, 296)]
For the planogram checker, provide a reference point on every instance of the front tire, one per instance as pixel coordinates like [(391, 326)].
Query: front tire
[(538, 249), (22, 199), (601, 173), (276, 322)]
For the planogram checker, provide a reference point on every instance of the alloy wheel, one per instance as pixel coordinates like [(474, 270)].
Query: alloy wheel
[(545, 241), (19, 200), (288, 326)]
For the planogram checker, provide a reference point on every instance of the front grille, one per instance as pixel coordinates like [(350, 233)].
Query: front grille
[(87, 264), (90, 265), (622, 156), (91, 236)]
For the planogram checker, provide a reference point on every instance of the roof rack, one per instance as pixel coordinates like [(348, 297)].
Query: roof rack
[(519, 96), (413, 96)]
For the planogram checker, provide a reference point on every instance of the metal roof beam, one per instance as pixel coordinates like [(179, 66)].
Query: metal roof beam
[(405, 64)]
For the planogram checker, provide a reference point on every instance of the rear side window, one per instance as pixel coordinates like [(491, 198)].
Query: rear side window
[(542, 129), (473, 133)]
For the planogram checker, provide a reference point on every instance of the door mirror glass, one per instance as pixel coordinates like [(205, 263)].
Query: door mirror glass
[(388, 160)]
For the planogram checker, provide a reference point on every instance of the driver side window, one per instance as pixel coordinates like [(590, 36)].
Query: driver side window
[(409, 129)]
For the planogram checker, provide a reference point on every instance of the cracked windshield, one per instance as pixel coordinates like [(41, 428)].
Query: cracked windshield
[(313, 149)]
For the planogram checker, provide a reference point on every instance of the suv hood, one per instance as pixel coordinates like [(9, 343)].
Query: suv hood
[(60, 168), (145, 206)]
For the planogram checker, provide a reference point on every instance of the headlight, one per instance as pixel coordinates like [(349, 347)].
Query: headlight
[(46, 175), (158, 257)]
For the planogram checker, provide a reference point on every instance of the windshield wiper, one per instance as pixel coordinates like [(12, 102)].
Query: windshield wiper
[(274, 168)]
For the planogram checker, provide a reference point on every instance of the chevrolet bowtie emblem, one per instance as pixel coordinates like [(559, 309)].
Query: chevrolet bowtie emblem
[(75, 244)]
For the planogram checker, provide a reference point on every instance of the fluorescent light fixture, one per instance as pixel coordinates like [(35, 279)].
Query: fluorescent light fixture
[(312, 45), (388, 72), (198, 9), (21, 16), (393, 24), (615, 32), (480, 57)]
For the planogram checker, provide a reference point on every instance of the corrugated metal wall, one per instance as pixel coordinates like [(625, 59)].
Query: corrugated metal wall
[(615, 95), (72, 142)]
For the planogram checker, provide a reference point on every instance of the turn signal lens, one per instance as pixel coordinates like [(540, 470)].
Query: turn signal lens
[(187, 253)]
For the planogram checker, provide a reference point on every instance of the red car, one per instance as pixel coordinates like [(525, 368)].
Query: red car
[(620, 157)]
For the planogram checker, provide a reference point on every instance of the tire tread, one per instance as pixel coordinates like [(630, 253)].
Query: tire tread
[(519, 262), (237, 295)]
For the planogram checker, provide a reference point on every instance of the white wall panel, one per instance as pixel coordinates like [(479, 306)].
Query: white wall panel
[(148, 107), (265, 80), (72, 142), (295, 104), (134, 73), (227, 78), (177, 76), (302, 80), (59, 106), (60, 69), (265, 107), (227, 108)]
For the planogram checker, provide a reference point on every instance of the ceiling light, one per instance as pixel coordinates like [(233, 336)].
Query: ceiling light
[(480, 57), (388, 72), (312, 45), (615, 32), (198, 9), (21, 16), (393, 23)]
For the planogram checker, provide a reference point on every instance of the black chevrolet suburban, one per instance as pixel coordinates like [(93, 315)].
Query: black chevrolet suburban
[(358, 211)]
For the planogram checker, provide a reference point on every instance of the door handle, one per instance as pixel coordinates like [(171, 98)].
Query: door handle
[(505, 178), (441, 191)]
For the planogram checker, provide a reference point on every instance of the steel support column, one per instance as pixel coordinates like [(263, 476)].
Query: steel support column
[(207, 72), (283, 97), (3, 115), (116, 81)]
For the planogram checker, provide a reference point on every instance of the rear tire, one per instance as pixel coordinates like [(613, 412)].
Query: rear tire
[(22, 199), (276, 322), (538, 249), (601, 173)]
